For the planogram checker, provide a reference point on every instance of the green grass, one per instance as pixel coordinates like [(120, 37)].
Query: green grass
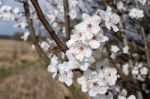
[(5, 72)]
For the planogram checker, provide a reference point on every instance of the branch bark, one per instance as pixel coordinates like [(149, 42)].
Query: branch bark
[(67, 19), (145, 46), (31, 29), (43, 20)]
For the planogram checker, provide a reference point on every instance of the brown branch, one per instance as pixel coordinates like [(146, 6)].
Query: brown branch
[(130, 62), (53, 34), (35, 39), (142, 31), (145, 46), (67, 19)]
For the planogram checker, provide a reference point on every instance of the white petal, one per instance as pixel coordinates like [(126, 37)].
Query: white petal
[(80, 57), (115, 28), (84, 67), (88, 52), (104, 38), (82, 80), (108, 25), (94, 44), (92, 93), (85, 16), (68, 82), (131, 97), (103, 90)]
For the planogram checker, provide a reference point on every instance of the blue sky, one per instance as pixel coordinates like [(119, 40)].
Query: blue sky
[(6, 27)]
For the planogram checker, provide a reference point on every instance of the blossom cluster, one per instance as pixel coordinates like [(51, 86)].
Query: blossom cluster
[(140, 71), (136, 13), (109, 18), (98, 82), (14, 14), (123, 95), (86, 38)]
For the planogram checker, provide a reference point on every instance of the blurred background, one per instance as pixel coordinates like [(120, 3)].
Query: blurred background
[(23, 75)]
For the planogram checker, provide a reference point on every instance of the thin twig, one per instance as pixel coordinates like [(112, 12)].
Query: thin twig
[(53, 34), (67, 19), (35, 39), (145, 45), (142, 31)]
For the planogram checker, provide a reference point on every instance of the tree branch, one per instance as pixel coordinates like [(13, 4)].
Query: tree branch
[(145, 45), (67, 19), (53, 34), (35, 39), (142, 31)]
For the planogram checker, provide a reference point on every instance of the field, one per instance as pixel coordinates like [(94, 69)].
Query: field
[(24, 76)]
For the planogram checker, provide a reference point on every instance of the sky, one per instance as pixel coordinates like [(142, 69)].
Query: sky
[(6, 27)]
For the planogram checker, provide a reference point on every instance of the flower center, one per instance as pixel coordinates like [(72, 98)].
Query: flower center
[(80, 34), (95, 84), (81, 48), (94, 37), (89, 25)]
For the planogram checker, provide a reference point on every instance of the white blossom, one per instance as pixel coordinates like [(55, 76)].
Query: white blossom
[(97, 83), (135, 71), (53, 67), (144, 71), (114, 48), (131, 97), (110, 19), (136, 13), (89, 25), (5, 8), (44, 45), (78, 36), (16, 10), (25, 36), (65, 73), (111, 75), (125, 69), (92, 84), (124, 97), (121, 97), (125, 49), (83, 81), (120, 6), (139, 71), (142, 2), (96, 40), (73, 14), (81, 51)]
